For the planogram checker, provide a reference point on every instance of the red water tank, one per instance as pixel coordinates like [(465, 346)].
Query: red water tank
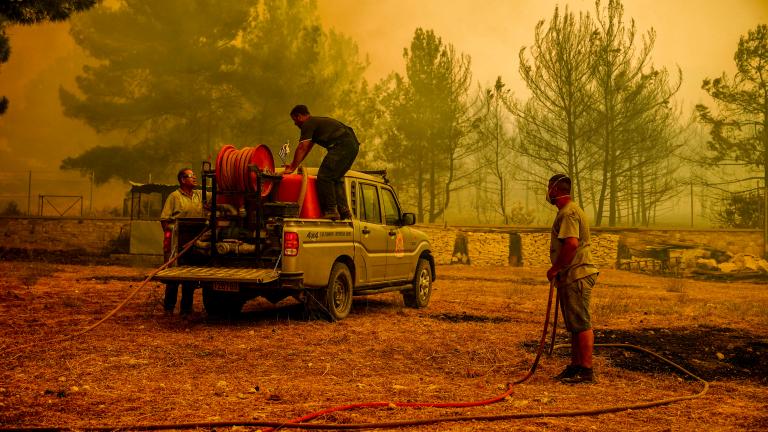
[(289, 189)]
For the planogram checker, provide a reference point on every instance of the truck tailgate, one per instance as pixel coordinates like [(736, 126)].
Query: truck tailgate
[(213, 274)]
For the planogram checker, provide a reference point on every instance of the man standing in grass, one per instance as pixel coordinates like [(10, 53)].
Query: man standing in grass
[(574, 275), (186, 201)]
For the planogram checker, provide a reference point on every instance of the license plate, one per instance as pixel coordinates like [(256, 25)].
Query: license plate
[(226, 286)]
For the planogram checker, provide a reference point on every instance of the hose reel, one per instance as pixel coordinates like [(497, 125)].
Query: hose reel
[(233, 172)]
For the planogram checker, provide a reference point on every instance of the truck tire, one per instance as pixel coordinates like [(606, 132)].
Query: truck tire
[(418, 295), (333, 302), (220, 304)]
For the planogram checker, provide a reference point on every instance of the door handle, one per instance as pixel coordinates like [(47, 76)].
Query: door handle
[(365, 230)]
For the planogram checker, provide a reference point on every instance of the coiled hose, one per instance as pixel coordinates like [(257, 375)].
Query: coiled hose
[(233, 172)]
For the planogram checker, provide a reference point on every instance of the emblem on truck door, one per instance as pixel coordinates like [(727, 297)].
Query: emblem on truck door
[(399, 245)]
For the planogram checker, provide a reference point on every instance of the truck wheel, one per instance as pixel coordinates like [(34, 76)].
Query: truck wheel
[(418, 295), (220, 304), (334, 301)]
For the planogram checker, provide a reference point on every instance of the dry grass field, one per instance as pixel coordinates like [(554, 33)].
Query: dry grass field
[(478, 334)]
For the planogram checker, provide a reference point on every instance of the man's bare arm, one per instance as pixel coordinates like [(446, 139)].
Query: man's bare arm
[(302, 150), (564, 257)]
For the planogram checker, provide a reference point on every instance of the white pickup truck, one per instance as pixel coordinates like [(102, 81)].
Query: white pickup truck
[(260, 247)]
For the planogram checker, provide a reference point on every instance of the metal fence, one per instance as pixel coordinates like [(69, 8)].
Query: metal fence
[(47, 193)]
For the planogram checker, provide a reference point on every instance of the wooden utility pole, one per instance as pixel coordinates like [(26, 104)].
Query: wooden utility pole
[(90, 201), (29, 194), (691, 203)]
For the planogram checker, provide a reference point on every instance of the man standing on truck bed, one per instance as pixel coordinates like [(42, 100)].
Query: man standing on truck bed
[(574, 274), (342, 145), (183, 202)]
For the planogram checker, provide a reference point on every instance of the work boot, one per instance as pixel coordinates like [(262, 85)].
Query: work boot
[(331, 214), (583, 376), (569, 372)]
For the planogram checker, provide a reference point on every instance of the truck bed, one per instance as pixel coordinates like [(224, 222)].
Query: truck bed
[(217, 274)]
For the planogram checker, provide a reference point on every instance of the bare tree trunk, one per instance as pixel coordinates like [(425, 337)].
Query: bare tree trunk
[(420, 192), (614, 193), (432, 191)]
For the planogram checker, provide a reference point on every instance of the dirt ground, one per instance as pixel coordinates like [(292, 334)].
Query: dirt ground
[(478, 334)]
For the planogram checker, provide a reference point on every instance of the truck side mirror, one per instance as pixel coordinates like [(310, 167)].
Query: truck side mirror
[(408, 219)]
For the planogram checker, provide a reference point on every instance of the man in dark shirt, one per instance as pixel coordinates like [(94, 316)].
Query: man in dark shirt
[(342, 145)]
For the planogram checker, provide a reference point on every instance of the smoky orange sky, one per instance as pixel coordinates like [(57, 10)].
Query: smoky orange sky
[(699, 36)]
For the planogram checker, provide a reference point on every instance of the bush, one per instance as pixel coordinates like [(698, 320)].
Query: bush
[(742, 210), (11, 209)]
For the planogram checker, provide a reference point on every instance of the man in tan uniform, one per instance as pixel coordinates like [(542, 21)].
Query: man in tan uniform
[(186, 201), (574, 275)]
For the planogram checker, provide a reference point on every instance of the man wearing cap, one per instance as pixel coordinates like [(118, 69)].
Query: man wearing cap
[(342, 146), (574, 274)]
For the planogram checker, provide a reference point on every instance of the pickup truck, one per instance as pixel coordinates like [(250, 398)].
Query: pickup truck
[(253, 246)]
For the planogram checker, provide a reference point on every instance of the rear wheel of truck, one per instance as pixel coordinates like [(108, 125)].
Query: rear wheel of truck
[(221, 304), (334, 301), (418, 295)]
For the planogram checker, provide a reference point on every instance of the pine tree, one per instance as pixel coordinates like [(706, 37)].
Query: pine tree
[(29, 13)]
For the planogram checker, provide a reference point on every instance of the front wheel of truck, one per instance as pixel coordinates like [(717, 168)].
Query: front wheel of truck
[(421, 288), (333, 302), (222, 304)]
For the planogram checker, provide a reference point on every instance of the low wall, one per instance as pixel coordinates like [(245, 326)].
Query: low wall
[(495, 246), (84, 235), (734, 241), (492, 245), (487, 246)]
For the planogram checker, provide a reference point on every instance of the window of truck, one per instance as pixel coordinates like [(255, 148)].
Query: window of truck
[(391, 210), (369, 199), (353, 197)]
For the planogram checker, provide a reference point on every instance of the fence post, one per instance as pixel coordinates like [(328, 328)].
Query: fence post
[(29, 194), (90, 201)]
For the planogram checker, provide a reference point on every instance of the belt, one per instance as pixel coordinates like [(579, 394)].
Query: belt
[(340, 139)]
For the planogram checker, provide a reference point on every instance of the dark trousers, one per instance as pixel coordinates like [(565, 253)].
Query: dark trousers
[(187, 297), (330, 176)]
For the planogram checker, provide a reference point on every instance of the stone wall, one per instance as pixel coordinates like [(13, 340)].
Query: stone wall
[(536, 249), (90, 236), (442, 240), (734, 241), (488, 246), (491, 246), (485, 248)]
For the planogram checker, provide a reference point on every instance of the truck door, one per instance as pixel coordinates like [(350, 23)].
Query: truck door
[(372, 233), (400, 245)]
